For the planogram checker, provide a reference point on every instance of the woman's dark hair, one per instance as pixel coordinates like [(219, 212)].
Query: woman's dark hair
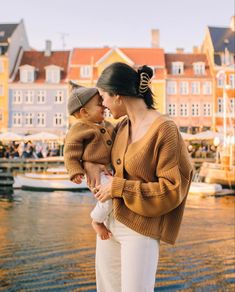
[(120, 78)]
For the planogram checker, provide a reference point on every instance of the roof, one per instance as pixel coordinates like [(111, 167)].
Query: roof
[(218, 37), (40, 61), (140, 56), (136, 56), (188, 60), (6, 30)]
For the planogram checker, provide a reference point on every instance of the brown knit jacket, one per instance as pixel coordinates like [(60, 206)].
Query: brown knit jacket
[(152, 179), (86, 141)]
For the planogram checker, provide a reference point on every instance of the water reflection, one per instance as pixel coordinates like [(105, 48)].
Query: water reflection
[(47, 244)]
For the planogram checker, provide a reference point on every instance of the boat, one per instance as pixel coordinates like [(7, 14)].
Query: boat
[(53, 179), (204, 188), (218, 173)]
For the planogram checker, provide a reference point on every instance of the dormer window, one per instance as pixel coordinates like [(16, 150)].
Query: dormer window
[(27, 74), (177, 68), (53, 74), (85, 71), (199, 68)]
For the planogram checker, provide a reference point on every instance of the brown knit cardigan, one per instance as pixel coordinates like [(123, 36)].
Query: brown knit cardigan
[(152, 179), (86, 141)]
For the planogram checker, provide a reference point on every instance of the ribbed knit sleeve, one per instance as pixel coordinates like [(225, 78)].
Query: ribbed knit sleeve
[(75, 141), (173, 176)]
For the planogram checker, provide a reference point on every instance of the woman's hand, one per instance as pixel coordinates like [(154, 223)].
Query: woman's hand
[(103, 192), (93, 171)]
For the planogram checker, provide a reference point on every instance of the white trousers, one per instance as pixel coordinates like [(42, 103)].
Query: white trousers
[(102, 210), (127, 262)]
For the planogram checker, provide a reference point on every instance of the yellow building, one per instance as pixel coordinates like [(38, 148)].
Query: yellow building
[(4, 72), (88, 63)]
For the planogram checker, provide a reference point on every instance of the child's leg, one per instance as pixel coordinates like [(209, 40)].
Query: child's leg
[(100, 213)]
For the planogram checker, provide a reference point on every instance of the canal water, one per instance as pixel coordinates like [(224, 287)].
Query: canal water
[(47, 244)]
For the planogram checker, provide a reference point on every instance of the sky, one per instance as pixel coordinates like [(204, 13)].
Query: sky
[(122, 23)]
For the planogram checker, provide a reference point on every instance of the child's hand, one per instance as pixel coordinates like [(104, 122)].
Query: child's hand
[(77, 179)]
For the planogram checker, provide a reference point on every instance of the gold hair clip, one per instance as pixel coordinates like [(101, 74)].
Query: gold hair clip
[(144, 82)]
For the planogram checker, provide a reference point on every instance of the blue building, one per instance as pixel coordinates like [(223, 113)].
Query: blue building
[(38, 92)]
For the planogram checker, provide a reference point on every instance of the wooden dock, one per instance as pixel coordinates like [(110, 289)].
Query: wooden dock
[(15, 166)]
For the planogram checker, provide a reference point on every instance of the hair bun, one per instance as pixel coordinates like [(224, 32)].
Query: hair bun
[(146, 69), (145, 74)]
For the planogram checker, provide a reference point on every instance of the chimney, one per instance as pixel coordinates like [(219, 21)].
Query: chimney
[(47, 52), (232, 23), (155, 33), (196, 50), (179, 50)]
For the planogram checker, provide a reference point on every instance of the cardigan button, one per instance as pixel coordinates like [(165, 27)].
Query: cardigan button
[(109, 142), (118, 161), (102, 131)]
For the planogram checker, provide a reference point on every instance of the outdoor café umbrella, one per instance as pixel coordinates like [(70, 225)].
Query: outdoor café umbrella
[(42, 136), (9, 136), (187, 136), (207, 135)]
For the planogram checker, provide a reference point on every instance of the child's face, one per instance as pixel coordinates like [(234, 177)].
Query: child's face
[(95, 109)]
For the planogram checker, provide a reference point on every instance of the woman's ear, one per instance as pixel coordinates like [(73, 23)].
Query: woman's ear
[(118, 99)]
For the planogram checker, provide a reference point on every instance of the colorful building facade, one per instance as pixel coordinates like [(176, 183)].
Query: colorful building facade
[(38, 94), (189, 91), (219, 45), (13, 41)]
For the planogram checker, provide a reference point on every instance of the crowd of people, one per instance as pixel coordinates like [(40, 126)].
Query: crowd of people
[(27, 149)]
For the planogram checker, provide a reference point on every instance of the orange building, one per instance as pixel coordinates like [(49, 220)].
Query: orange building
[(189, 91)]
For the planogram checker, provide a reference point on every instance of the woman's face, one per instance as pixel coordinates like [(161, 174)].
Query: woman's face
[(113, 103)]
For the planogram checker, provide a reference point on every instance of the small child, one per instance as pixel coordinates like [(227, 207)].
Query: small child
[(90, 139)]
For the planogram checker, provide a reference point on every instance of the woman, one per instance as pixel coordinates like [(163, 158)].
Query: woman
[(149, 189)]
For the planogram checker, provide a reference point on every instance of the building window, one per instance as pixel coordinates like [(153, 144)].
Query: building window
[(183, 109), (85, 71), (220, 105), (171, 109), (171, 87), (232, 107), (107, 113), (207, 87), (29, 96), (177, 68), (183, 87), (1, 115), (41, 96), (199, 68), (1, 66), (17, 97), (53, 75), (41, 119), (206, 109), (195, 109), (26, 75), (232, 80), (1, 90), (59, 97), (220, 82), (58, 120), (29, 119), (17, 120), (195, 87)]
